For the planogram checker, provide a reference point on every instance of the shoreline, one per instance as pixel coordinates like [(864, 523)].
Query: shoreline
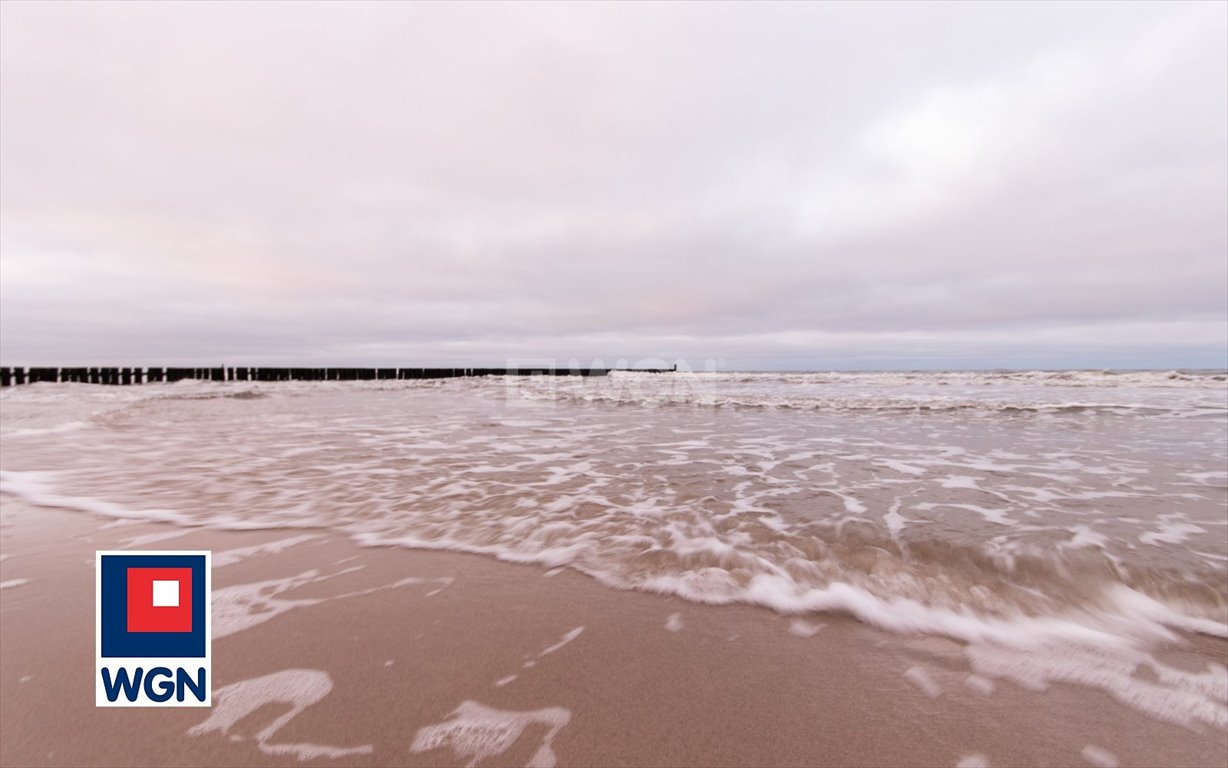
[(538, 664)]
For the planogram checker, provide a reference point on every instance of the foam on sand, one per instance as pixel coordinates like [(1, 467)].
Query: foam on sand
[(476, 732), (1099, 756), (300, 688), (981, 685), (244, 606), (13, 583), (232, 556), (567, 638), (1166, 693), (803, 628), (920, 677), (34, 487), (531, 661), (150, 538), (67, 426)]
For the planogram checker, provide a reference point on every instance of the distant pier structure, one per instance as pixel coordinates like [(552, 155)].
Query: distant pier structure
[(10, 376)]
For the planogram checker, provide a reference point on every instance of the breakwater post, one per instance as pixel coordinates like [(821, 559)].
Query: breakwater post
[(115, 376)]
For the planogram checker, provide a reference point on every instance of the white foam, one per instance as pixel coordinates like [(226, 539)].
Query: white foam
[(1083, 537), (894, 520), (960, 481), (920, 677), (1146, 612), (300, 688), (1170, 533), (567, 638), (243, 606), (1186, 698), (674, 622), (13, 583), (851, 505), (232, 556), (33, 487), (803, 628), (997, 516), (476, 733), (976, 760), (1216, 478), (1099, 756), (151, 538), (900, 466), (67, 426), (1136, 617), (981, 685)]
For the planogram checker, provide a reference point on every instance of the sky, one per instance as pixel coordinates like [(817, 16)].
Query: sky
[(733, 186)]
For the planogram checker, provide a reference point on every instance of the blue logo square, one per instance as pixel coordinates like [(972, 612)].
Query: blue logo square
[(116, 639)]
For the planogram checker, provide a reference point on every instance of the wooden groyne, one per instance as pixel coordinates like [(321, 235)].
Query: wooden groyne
[(10, 376)]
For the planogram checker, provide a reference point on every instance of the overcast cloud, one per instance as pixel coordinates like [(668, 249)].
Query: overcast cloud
[(771, 186)]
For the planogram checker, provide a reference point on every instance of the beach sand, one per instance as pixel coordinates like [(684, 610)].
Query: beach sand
[(390, 656)]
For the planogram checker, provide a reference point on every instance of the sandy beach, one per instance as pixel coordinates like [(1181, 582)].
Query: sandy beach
[(330, 654)]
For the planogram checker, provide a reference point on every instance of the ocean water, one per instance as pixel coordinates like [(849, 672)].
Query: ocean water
[(1009, 510)]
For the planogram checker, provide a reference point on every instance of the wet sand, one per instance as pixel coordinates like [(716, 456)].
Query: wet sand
[(537, 665)]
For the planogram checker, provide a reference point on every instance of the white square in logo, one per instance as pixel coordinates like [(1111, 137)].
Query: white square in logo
[(166, 594)]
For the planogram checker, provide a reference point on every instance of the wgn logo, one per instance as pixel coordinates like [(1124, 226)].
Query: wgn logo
[(153, 639)]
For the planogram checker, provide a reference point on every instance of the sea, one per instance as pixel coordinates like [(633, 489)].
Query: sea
[(1060, 523)]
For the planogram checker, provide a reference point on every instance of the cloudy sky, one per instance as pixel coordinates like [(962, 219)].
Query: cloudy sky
[(764, 186)]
